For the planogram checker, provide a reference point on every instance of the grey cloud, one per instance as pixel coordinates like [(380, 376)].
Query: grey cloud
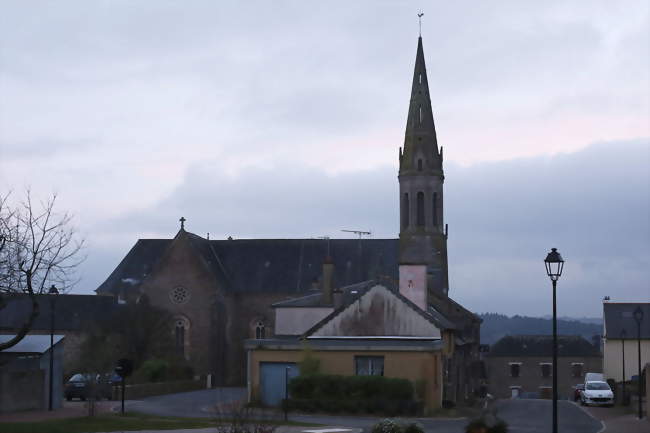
[(594, 205)]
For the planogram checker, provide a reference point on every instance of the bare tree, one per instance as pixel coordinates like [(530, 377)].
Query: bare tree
[(38, 248)]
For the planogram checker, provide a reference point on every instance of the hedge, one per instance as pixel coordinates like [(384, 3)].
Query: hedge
[(353, 394)]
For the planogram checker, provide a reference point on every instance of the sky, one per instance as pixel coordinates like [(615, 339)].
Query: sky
[(284, 119)]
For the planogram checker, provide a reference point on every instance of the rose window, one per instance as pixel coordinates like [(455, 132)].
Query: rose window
[(179, 295)]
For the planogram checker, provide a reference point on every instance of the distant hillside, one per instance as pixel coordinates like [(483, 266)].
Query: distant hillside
[(495, 326)]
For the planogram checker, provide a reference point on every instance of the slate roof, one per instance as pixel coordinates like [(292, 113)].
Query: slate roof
[(362, 289), (266, 265), (619, 316), (542, 345), (72, 312), (350, 294), (355, 343), (31, 343)]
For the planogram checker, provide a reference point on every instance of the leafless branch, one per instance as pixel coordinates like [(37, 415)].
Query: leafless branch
[(39, 247)]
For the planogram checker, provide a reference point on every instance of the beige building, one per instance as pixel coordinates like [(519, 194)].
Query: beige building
[(370, 330), (620, 339)]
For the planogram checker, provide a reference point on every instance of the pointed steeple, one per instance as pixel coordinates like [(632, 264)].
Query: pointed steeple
[(420, 142)]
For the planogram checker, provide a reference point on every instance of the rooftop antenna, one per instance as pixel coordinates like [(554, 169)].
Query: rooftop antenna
[(358, 232), (327, 238), (420, 15)]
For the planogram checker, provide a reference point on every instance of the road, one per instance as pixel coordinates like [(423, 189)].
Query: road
[(522, 415), (532, 416)]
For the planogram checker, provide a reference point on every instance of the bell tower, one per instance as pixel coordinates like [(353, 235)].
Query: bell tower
[(423, 233)]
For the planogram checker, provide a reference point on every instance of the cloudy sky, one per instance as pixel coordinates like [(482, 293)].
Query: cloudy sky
[(284, 119)]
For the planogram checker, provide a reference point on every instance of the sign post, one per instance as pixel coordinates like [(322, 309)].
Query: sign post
[(124, 368)]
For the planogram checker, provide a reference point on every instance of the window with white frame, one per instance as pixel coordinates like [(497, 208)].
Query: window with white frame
[(515, 369), (369, 365), (577, 369)]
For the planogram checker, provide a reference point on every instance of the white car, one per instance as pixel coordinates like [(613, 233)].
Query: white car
[(597, 393)]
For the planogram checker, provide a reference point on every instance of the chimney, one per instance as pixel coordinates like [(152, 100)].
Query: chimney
[(328, 275), (337, 298), (413, 284)]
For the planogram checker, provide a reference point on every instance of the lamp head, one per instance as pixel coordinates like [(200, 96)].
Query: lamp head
[(554, 264), (53, 290), (638, 315)]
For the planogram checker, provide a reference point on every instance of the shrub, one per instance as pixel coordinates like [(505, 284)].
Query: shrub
[(480, 426), (387, 426), (396, 426), (413, 428), (154, 370)]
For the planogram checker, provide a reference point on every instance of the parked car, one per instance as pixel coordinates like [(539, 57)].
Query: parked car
[(594, 377), (597, 393), (86, 385), (577, 390)]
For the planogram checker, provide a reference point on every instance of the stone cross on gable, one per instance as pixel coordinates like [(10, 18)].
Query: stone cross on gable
[(182, 220)]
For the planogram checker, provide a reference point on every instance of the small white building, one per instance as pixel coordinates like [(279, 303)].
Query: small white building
[(620, 339)]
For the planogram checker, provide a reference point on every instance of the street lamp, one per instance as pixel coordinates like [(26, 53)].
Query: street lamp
[(623, 335), (53, 291), (554, 266), (638, 317)]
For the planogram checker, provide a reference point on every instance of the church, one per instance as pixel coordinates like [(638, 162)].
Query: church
[(222, 292)]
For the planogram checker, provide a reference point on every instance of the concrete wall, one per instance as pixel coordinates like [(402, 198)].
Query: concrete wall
[(295, 321), (21, 390), (423, 367), (57, 378), (530, 374), (379, 312), (613, 358)]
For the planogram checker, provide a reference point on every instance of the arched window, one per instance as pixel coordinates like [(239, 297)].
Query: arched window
[(260, 331), (420, 115), (420, 214), (435, 208), (419, 165), (181, 335), (405, 211)]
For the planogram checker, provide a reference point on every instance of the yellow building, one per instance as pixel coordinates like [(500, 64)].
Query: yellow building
[(371, 330)]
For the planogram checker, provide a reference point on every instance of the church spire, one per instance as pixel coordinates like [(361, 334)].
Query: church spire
[(423, 239), (420, 137)]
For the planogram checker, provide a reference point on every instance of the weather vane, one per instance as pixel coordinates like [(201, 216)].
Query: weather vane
[(420, 15)]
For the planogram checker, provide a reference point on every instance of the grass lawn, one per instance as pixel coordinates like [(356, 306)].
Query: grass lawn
[(109, 423)]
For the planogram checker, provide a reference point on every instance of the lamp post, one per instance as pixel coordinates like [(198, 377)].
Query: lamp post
[(638, 317), (53, 291), (554, 264), (623, 335)]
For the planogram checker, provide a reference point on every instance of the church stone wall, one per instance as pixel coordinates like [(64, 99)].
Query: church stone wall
[(182, 285)]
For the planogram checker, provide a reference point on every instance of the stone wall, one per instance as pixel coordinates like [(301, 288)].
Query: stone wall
[(21, 390)]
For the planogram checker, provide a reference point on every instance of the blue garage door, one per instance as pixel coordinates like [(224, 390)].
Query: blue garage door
[(273, 379)]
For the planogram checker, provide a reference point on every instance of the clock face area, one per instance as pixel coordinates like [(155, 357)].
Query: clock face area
[(179, 295)]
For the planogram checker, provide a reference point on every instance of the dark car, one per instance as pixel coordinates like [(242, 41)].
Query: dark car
[(86, 385), (577, 390)]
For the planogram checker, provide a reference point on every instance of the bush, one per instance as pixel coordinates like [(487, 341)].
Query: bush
[(325, 386), (387, 426), (396, 426), (370, 394), (480, 426), (154, 370)]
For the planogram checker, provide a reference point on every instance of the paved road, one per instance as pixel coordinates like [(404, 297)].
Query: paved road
[(193, 404), (522, 415), (533, 416)]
